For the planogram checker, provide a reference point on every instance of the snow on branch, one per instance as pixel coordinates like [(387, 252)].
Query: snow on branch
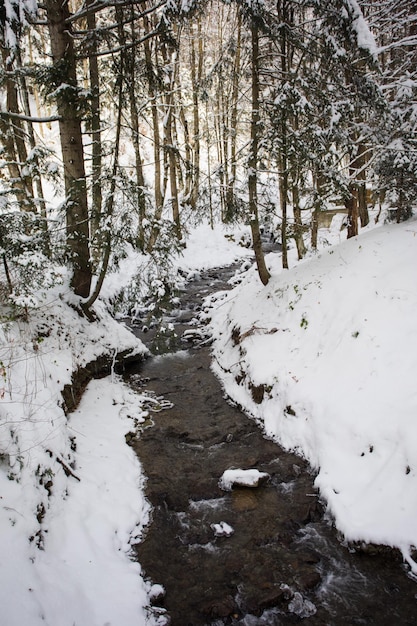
[(16, 15), (365, 38), (29, 118)]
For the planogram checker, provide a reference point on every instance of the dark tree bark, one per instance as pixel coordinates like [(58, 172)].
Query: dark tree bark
[(12, 135), (68, 107), (37, 180), (360, 167), (298, 222), (351, 204)]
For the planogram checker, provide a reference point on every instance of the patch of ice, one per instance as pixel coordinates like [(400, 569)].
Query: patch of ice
[(213, 503), (301, 606), (206, 547)]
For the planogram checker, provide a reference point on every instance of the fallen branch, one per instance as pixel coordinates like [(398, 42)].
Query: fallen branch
[(68, 471)]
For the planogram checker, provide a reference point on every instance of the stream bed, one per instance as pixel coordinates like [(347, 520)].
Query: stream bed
[(261, 556)]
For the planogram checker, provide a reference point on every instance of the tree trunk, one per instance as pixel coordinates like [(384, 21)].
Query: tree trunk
[(159, 200), (283, 197), (196, 77), (12, 133), (96, 200), (318, 182), (209, 168), (169, 142), (77, 222), (134, 120), (263, 272), (140, 180), (37, 179), (109, 205), (230, 193), (106, 239), (360, 168), (298, 222), (351, 203), (188, 184), (314, 227)]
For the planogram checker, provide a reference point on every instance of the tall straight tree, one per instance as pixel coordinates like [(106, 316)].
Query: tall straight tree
[(263, 271), (96, 147), (196, 63), (63, 79), (12, 132)]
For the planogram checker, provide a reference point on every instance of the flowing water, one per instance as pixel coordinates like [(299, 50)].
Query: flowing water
[(248, 556)]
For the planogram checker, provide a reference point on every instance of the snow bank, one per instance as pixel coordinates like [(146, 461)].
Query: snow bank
[(71, 491), (325, 358), (214, 247)]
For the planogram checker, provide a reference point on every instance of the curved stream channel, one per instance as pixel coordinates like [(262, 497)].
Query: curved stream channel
[(283, 564)]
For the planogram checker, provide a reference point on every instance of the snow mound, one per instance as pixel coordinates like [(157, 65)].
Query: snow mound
[(241, 478), (72, 501)]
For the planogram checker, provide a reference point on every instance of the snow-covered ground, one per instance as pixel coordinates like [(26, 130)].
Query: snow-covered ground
[(71, 499), (71, 490), (331, 344), (331, 348)]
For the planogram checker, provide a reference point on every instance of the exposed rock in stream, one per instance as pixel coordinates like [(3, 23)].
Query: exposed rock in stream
[(282, 562)]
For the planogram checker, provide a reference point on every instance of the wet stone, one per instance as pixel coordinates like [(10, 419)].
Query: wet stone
[(267, 596), (244, 500), (223, 607), (308, 579)]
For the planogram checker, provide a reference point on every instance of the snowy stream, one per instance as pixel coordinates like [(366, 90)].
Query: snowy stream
[(266, 555)]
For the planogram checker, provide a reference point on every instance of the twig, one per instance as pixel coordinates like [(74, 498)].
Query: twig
[(68, 471)]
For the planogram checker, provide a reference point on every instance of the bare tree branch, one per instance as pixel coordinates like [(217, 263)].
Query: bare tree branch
[(102, 53), (29, 118), (106, 4)]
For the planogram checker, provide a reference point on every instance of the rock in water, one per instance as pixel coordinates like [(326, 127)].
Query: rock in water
[(222, 529), (242, 478)]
